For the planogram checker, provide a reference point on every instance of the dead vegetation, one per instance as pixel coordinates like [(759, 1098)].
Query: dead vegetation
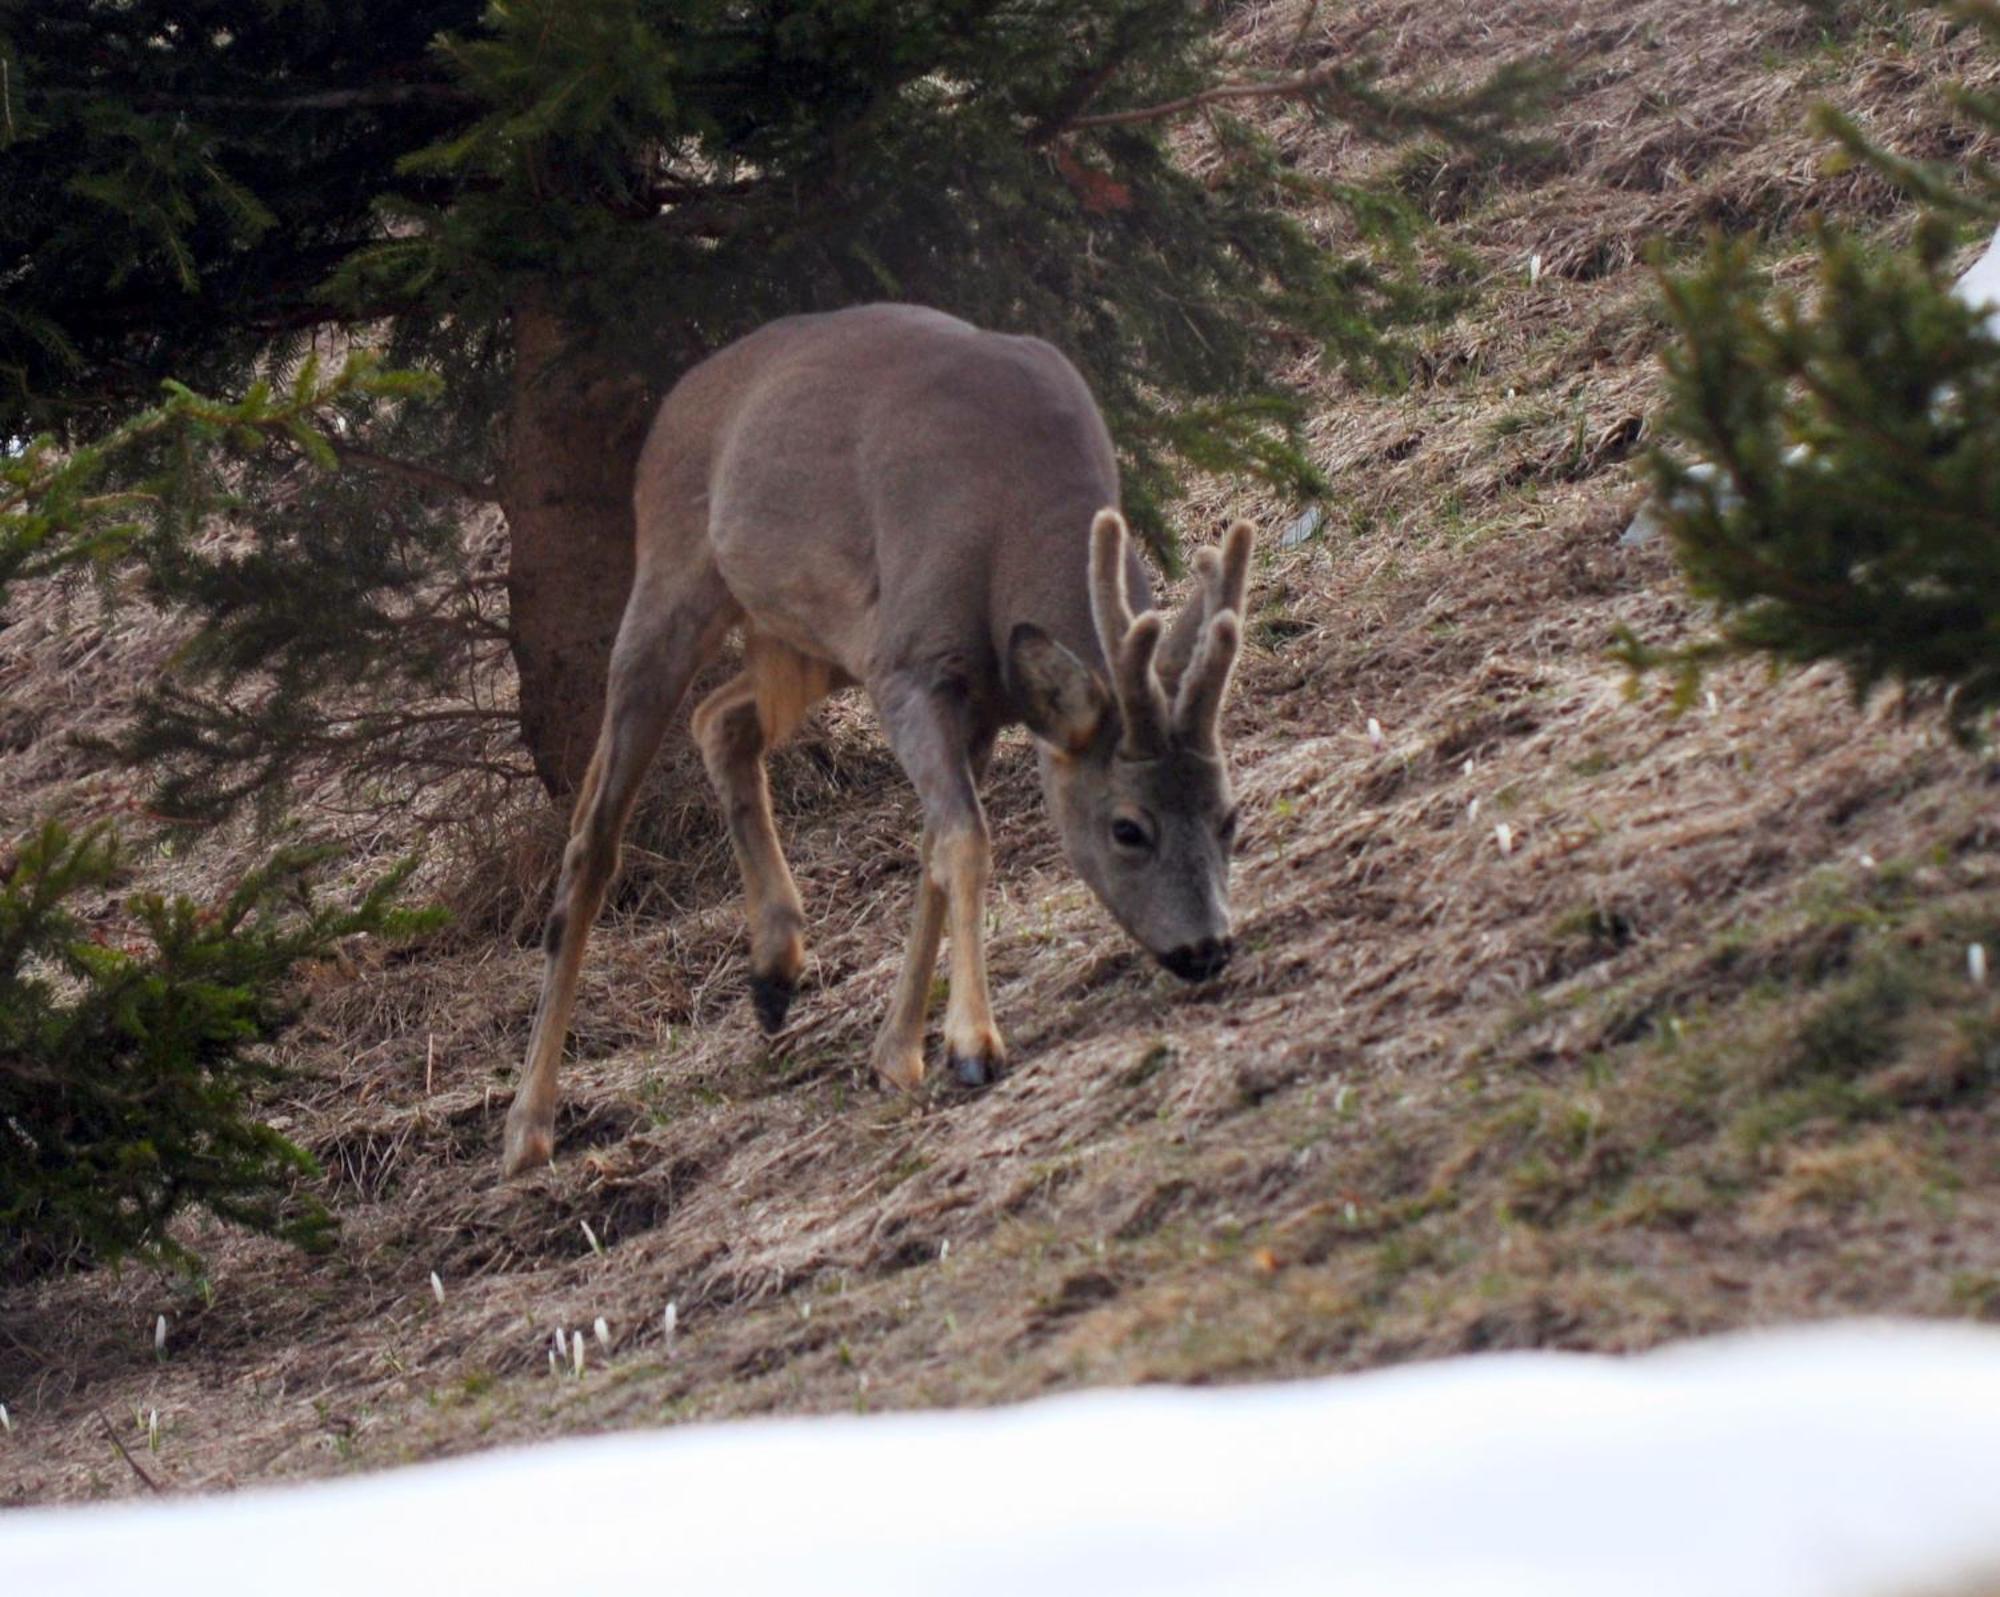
[(1559, 1020)]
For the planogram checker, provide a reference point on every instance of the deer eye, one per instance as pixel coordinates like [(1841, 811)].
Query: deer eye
[(1129, 834)]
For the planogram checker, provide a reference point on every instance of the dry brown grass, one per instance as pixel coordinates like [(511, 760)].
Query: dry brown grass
[(1602, 1088)]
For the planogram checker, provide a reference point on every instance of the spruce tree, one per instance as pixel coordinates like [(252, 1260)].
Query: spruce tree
[(128, 1066), (554, 207), (132, 1037), (1849, 508)]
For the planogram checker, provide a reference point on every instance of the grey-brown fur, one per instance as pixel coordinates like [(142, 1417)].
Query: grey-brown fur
[(891, 497)]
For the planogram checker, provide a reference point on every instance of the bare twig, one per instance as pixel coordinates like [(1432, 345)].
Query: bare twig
[(1299, 83), (412, 471), (1306, 20), (1080, 95), (138, 1469), (318, 100)]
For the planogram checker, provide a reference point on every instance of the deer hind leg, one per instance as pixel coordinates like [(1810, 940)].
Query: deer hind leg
[(944, 760), (668, 634), (734, 727)]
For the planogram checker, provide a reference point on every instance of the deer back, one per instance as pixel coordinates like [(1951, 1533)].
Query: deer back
[(886, 487)]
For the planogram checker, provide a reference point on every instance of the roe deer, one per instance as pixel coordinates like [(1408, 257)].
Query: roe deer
[(891, 497)]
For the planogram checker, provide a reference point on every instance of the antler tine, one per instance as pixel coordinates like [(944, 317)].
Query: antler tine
[(1129, 645), (1235, 584), (1197, 712), (1184, 633), (1109, 606), (1197, 718), (1141, 705)]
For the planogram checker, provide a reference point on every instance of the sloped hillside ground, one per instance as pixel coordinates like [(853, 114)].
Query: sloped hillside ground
[(1691, 1044)]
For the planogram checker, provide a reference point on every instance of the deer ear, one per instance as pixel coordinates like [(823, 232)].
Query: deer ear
[(1059, 697)]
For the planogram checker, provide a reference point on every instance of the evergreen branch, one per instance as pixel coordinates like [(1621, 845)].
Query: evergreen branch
[(300, 316), (432, 619), (1937, 185), (679, 191), (321, 100), (386, 723), (1297, 86), (149, 1065), (404, 760), (1850, 514), (1474, 116), (1078, 97), (423, 476), (52, 513)]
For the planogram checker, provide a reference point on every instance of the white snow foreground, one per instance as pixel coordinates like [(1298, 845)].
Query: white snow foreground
[(1857, 1459)]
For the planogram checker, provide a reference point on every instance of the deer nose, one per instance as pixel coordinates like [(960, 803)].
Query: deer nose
[(1199, 961)]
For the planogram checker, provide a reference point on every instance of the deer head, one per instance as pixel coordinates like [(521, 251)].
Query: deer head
[(1133, 769)]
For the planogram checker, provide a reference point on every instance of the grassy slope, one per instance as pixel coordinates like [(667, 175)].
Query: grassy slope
[(1698, 1051)]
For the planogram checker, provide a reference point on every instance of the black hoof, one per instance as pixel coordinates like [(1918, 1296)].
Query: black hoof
[(771, 998), (972, 1070)]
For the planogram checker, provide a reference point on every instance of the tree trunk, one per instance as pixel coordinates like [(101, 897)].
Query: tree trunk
[(574, 430)]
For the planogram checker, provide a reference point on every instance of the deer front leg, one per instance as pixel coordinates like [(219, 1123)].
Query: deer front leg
[(964, 863), (952, 888), (899, 1046), (944, 758)]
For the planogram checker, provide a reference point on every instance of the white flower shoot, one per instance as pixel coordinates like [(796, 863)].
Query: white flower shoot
[(6, 1420), (590, 1236), (1975, 963), (944, 1250), (1503, 834), (670, 1321), (603, 1333), (153, 1431), (437, 1288), (160, 1337), (562, 1345), (1374, 732), (576, 1354)]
